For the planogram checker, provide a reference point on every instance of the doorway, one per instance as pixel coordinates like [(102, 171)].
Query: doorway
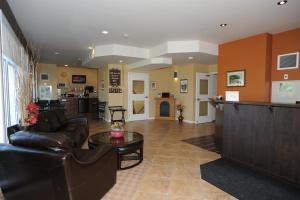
[(138, 93), (206, 87)]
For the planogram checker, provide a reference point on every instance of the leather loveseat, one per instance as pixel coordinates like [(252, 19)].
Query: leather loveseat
[(51, 166), (55, 121)]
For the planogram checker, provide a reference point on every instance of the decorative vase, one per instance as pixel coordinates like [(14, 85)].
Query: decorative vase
[(180, 117), (117, 133)]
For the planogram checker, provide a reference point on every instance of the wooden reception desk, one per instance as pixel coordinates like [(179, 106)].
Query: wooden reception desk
[(263, 136)]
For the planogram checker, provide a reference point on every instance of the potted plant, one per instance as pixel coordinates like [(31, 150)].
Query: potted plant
[(117, 130), (180, 108), (32, 116)]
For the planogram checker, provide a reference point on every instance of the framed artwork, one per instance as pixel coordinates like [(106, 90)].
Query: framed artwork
[(61, 85), (44, 77), (183, 86), (236, 78), (45, 92), (153, 85), (288, 61), (114, 81)]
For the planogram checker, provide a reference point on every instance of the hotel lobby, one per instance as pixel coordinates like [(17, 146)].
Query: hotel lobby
[(133, 100)]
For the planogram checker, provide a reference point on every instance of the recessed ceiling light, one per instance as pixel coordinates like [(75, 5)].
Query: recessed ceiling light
[(66, 65), (104, 32), (223, 25), (125, 35), (191, 58), (56, 53), (280, 3), (90, 47), (121, 61)]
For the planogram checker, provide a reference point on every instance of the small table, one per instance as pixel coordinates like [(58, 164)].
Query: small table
[(129, 147), (113, 109)]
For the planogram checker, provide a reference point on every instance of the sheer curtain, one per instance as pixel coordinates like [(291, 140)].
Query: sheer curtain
[(16, 80)]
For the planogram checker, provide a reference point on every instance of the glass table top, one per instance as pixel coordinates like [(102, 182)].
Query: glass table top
[(105, 138)]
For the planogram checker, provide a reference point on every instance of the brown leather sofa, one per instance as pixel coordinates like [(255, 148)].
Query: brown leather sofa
[(51, 166)]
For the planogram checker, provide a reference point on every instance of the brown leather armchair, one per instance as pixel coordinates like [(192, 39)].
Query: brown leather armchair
[(53, 171)]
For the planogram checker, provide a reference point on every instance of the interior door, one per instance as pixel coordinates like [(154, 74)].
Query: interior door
[(138, 92), (205, 89)]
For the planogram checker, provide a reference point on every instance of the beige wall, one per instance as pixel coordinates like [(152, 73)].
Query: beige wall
[(56, 76), (166, 83), (64, 75), (113, 99)]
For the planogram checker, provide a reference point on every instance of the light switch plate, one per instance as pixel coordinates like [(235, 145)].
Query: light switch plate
[(285, 76)]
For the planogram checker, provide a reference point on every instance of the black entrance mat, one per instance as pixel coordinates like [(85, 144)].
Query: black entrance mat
[(206, 142), (246, 184)]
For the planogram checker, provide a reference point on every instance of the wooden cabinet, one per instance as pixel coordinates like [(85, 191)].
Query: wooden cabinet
[(71, 105), (265, 137)]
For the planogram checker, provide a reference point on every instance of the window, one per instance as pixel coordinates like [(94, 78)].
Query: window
[(11, 106)]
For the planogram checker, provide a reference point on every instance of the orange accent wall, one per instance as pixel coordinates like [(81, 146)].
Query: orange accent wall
[(285, 42), (252, 54)]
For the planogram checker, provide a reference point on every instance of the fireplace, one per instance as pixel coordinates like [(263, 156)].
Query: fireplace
[(165, 108)]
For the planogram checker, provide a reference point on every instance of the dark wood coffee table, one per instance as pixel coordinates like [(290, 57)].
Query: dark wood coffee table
[(129, 147)]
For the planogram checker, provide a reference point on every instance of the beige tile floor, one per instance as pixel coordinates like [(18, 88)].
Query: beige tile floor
[(171, 168)]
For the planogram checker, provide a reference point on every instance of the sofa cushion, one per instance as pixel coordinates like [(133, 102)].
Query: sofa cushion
[(48, 122), (61, 116), (53, 141)]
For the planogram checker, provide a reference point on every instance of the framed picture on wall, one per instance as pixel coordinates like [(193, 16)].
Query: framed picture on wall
[(44, 77), (61, 85), (45, 92), (236, 78), (153, 85), (288, 61), (183, 86)]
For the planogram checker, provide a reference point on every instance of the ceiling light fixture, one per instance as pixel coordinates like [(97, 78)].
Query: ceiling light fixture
[(191, 58), (56, 53), (125, 35), (120, 61), (223, 25), (280, 3), (104, 32)]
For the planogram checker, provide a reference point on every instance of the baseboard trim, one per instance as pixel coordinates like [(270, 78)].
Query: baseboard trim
[(189, 121)]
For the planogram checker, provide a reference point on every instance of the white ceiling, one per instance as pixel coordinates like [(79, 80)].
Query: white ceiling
[(70, 26)]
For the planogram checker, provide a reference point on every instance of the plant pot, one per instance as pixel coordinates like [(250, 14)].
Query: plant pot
[(180, 118), (117, 133)]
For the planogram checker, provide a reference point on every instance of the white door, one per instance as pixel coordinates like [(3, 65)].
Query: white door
[(205, 89), (138, 92)]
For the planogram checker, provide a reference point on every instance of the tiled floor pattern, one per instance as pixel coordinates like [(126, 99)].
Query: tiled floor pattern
[(171, 168)]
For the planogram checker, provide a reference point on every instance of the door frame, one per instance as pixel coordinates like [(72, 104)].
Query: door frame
[(146, 93), (211, 109)]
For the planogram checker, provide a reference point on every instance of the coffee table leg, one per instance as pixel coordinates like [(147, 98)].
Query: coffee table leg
[(119, 160), (141, 154)]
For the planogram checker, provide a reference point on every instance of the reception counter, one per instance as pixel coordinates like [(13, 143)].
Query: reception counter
[(263, 136), (76, 105)]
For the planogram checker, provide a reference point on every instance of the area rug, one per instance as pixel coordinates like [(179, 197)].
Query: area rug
[(246, 184), (206, 142)]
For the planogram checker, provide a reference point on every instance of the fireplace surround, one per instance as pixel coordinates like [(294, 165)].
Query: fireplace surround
[(165, 108)]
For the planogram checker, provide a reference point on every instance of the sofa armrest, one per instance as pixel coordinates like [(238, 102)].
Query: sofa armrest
[(55, 141), (90, 173), (86, 156)]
